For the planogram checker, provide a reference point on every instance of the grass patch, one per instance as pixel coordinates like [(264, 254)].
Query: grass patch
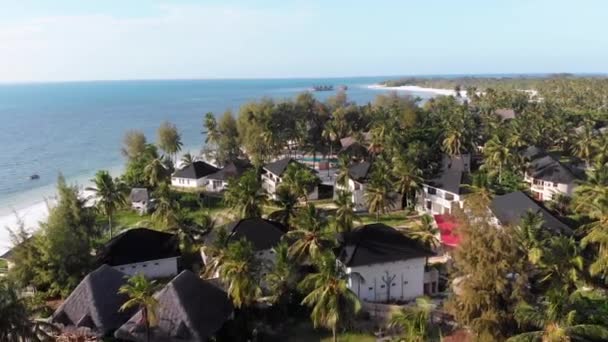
[(396, 218), (304, 332), (127, 218)]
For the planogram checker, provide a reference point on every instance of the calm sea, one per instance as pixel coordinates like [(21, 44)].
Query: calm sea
[(76, 128)]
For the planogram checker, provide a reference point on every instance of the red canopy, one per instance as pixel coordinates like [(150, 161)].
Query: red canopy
[(447, 224)]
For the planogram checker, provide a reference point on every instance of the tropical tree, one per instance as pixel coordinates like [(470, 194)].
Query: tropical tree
[(167, 207), (156, 172), (282, 278), (191, 231), (584, 144), (134, 144), (245, 195), (414, 321), (342, 176), (327, 292), (169, 139), (425, 232), (562, 265), (531, 236), (288, 202), (561, 317), (597, 235), (141, 295), (187, 159), (408, 178), (215, 253), (345, 214), (240, 273), (109, 194), (310, 238), (378, 194), (497, 156), (299, 180)]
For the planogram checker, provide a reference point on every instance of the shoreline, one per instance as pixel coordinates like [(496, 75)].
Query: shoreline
[(418, 89)]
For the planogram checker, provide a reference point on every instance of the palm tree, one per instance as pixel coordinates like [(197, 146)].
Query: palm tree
[(408, 178), (310, 237), (187, 159), (480, 191), (342, 176), (345, 215), (558, 317), (245, 195), (584, 144), (156, 172), (191, 231), (240, 273), (110, 195), (595, 186), (169, 139), (562, 265), (378, 194), (167, 207), (414, 321), (215, 253), (425, 232), (299, 180), (141, 295), (497, 156), (597, 234), (17, 324), (288, 202), (328, 294), (281, 279), (531, 236)]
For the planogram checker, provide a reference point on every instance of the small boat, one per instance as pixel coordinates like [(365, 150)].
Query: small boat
[(323, 88), (34, 177)]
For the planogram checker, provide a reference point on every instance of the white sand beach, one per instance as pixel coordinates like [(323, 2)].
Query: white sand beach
[(417, 89)]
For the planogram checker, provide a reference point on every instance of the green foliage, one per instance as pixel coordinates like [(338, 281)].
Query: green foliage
[(299, 179), (110, 195), (425, 232), (414, 321), (240, 272), (135, 174), (141, 296), (245, 195), (345, 215), (310, 236), (168, 138)]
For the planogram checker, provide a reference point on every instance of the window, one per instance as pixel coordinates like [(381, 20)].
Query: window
[(555, 185), (144, 265), (371, 289), (431, 191), (155, 264), (357, 186), (449, 196), (133, 266), (381, 286)]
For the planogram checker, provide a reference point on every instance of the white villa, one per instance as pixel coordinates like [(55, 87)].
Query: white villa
[(141, 250), (218, 181), (439, 195), (547, 176), (384, 265), (357, 183), (271, 177), (141, 201), (193, 175)]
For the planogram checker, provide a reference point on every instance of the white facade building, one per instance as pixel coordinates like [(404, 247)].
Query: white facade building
[(547, 176), (272, 177), (438, 196), (383, 265), (160, 268), (193, 175)]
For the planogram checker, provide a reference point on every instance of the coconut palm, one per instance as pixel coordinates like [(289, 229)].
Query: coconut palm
[(414, 321), (288, 202), (584, 144), (110, 195), (560, 317), (245, 195), (191, 231), (310, 238), (141, 295), (240, 273), (167, 207), (187, 159), (282, 278), (169, 139), (299, 180), (378, 194), (215, 253), (345, 215), (408, 178), (327, 293), (156, 172), (497, 156), (561, 266), (531, 236), (425, 232), (342, 176), (16, 324), (597, 234), (595, 186), (480, 191)]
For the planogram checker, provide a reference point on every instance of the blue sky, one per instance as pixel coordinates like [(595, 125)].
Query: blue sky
[(142, 39)]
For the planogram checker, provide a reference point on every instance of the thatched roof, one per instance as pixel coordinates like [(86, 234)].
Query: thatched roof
[(95, 303), (190, 309)]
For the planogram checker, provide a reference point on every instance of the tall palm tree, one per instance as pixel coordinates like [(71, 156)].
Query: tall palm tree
[(110, 195), (16, 324), (328, 294), (215, 253), (191, 231), (169, 139), (156, 172), (497, 156), (561, 266), (414, 321), (240, 273), (245, 195), (595, 186), (310, 238), (425, 232), (558, 317), (345, 215), (531, 236), (187, 159), (288, 202), (584, 144), (282, 278), (299, 180), (408, 178), (480, 191), (167, 207), (597, 235), (342, 176), (141, 295), (378, 195)]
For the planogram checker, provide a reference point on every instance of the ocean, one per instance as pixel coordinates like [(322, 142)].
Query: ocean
[(76, 128)]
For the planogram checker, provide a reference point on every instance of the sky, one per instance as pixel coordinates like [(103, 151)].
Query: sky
[(55, 40)]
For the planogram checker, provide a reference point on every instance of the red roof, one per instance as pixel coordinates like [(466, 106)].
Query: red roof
[(446, 225)]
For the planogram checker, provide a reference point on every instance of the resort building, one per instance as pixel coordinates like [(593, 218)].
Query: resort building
[(141, 200), (263, 234), (193, 175), (189, 309), (508, 210), (439, 195), (547, 176), (272, 174), (95, 304), (218, 181), (153, 253), (357, 183), (384, 265)]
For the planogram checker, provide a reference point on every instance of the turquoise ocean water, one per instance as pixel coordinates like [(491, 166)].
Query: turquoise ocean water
[(76, 128)]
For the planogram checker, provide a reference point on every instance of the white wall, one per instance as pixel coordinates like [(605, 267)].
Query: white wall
[(547, 189), (160, 268), (407, 284), (439, 204), (216, 185), (187, 182)]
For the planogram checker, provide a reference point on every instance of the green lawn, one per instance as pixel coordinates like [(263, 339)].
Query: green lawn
[(304, 332), (397, 218)]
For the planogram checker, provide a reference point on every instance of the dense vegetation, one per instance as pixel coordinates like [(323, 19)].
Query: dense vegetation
[(519, 283)]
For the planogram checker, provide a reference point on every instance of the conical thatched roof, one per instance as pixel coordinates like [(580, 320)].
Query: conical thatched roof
[(95, 303), (190, 309)]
